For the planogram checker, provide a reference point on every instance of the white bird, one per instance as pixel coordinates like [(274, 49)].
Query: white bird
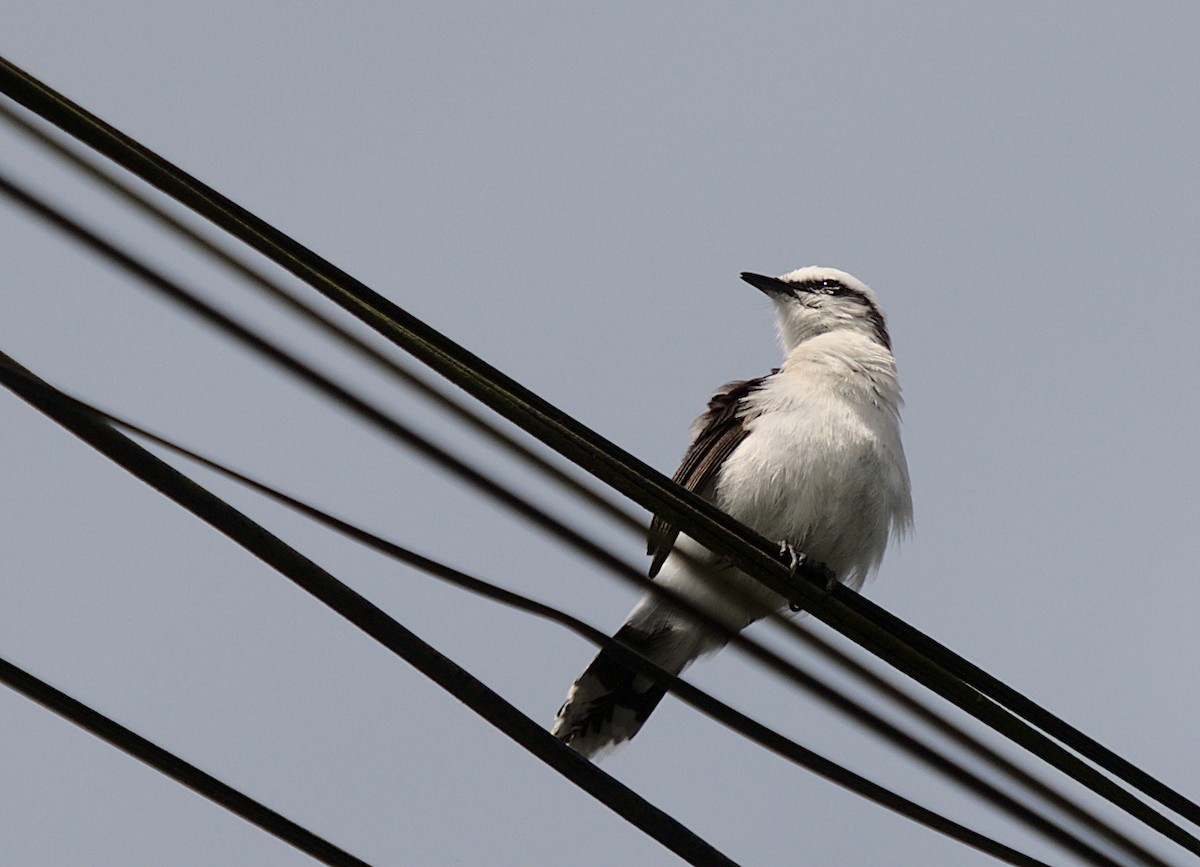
[(809, 456)]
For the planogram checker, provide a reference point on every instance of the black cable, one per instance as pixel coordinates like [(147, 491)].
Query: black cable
[(276, 291), (372, 620), (175, 768), (258, 279), (923, 658), (548, 523), (704, 702)]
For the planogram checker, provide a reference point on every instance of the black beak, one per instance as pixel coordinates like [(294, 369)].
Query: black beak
[(773, 286)]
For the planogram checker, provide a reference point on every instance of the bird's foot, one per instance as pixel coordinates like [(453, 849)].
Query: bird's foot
[(827, 577), (795, 559), (819, 573)]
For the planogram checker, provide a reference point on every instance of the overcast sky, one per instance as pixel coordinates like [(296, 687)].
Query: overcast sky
[(571, 196)]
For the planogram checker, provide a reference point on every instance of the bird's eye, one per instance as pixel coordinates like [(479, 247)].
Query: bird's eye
[(826, 286)]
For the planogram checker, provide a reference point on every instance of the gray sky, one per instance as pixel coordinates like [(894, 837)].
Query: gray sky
[(571, 196)]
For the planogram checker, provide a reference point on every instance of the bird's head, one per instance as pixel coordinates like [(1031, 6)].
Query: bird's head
[(815, 300)]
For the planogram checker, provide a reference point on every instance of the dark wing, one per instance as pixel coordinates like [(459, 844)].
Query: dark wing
[(716, 434)]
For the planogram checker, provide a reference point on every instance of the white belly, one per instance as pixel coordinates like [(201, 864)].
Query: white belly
[(829, 479)]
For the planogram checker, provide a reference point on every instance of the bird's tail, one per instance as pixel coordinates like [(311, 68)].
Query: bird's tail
[(609, 701)]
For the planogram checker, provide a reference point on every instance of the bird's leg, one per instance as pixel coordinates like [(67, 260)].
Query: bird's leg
[(795, 559)]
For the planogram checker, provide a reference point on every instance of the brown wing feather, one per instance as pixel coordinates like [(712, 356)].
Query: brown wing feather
[(717, 433)]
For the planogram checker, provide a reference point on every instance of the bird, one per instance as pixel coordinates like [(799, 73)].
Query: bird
[(808, 456)]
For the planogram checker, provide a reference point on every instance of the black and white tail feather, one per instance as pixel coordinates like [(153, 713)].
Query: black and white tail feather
[(809, 455)]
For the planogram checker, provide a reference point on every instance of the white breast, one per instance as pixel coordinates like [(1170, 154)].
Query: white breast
[(822, 466)]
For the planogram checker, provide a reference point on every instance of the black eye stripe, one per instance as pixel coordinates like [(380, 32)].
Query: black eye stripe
[(825, 287)]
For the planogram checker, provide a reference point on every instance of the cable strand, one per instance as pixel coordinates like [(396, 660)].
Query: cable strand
[(181, 771)]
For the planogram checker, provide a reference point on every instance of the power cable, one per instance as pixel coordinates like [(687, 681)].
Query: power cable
[(375, 622), (174, 767), (916, 654)]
